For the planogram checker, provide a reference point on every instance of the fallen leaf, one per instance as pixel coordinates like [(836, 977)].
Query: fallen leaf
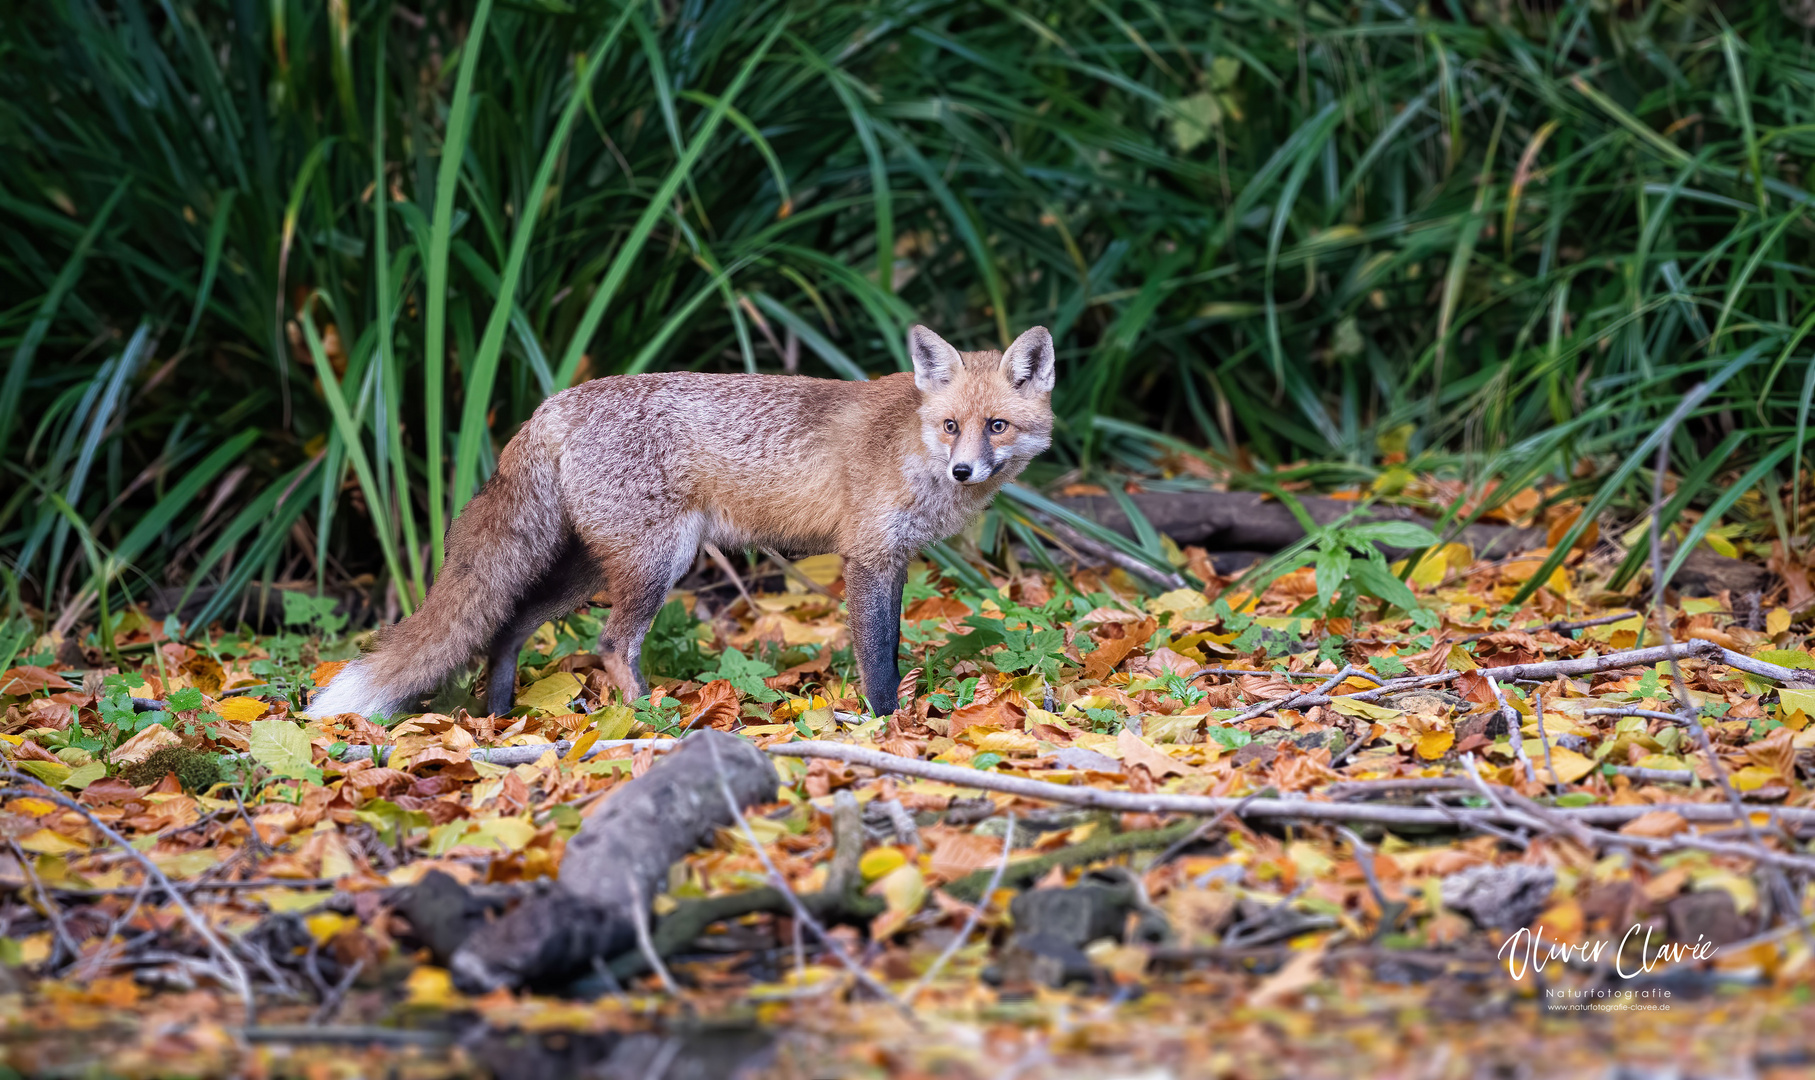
[(135, 750), (1134, 750)]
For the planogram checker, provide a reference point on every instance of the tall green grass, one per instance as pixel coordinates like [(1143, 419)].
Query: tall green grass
[(281, 278)]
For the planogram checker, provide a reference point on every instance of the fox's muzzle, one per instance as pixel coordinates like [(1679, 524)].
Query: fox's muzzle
[(966, 472)]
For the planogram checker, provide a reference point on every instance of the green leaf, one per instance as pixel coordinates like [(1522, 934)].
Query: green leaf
[(1376, 580), (1400, 534), (185, 698), (986, 761), (1332, 571), (282, 747)]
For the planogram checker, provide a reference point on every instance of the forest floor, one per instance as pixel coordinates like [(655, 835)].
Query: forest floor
[(1121, 831)]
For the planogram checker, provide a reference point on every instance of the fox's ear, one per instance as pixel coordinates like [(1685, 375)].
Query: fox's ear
[(935, 361), (1030, 361)]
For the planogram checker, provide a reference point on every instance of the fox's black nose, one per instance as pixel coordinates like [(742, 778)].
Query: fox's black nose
[(961, 473)]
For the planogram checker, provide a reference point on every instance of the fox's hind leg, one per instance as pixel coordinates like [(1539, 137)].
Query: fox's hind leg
[(572, 577), (640, 574)]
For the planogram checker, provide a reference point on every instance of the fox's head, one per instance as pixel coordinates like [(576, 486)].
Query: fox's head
[(984, 412)]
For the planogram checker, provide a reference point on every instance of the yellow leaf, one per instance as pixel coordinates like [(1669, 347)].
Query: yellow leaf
[(1435, 744), (187, 864), (240, 710), (1721, 545), (1348, 706), (34, 807), (45, 842), (508, 833), (1795, 701), (1778, 621), (1569, 765), (614, 721), (1661, 761), (1753, 777), (1460, 660), (904, 890), (820, 569), (1430, 570), (880, 863), (582, 744), (996, 741), (432, 988), (326, 925), (1738, 886), (552, 694), (1177, 600), (283, 900)]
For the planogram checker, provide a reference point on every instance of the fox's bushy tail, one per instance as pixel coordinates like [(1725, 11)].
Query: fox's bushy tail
[(506, 538)]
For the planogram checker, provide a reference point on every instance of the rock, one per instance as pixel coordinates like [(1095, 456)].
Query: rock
[(1506, 897)]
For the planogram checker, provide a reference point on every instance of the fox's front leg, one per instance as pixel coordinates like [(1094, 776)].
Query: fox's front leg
[(872, 591)]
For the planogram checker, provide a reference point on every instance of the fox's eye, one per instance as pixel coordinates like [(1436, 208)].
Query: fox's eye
[(998, 426), (951, 427)]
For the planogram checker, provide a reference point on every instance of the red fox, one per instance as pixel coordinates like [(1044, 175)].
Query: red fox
[(616, 482)]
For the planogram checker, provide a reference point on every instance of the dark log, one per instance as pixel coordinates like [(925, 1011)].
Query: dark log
[(617, 862), (1249, 521)]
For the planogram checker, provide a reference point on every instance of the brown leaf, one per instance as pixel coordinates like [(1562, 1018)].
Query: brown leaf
[(28, 750), (1135, 750), (712, 705), (135, 750), (956, 853), (1114, 642), (29, 679), (936, 607), (1001, 712), (1655, 823)]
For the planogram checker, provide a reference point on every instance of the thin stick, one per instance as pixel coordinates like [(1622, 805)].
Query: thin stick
[(1561, 626), (1289, 702), (970, 920), (237, 972), (795, 572), (640, 919), (1544, 737), (1364, 857), (801, 914), (724, 564), (1511, 715), (65, 944), (1269, 808)]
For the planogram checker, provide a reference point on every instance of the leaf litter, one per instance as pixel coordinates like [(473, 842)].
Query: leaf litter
[(1203, 831)]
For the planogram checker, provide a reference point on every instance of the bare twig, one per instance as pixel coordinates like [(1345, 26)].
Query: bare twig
[(639, 917), (1268, 808), (724, 564), (337, 993), (1511, 716), (795, 572), (59, 931), (1544, 738), (970, 920), (1364, 857), (1087, 546), (1293, 701), (1561, 626)]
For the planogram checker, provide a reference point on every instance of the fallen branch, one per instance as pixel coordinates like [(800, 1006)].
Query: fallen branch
[(620, 856), (1300, 809)]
